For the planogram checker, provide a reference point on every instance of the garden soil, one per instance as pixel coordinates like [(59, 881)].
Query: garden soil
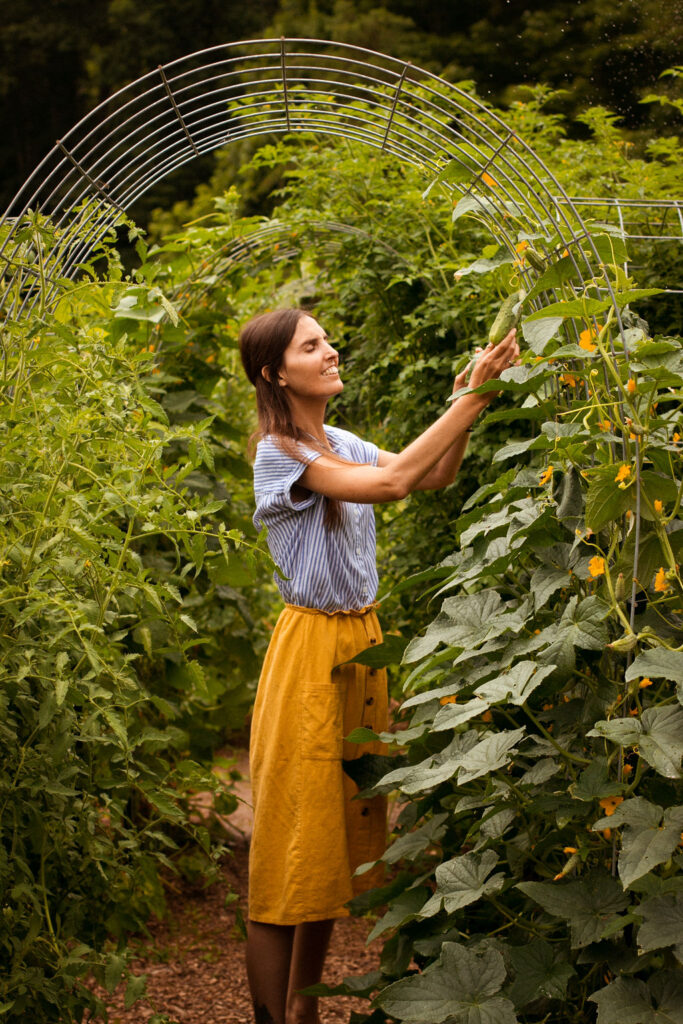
[(194, 959)]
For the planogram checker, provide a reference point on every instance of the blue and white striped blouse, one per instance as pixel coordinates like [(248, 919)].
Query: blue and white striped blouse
[(332, 569)]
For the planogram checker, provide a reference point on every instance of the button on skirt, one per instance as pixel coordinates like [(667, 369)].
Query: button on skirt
[(309, 833)]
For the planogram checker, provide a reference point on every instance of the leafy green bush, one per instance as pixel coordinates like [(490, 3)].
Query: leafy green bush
[(541, 834), (115, 557), (537, 857)]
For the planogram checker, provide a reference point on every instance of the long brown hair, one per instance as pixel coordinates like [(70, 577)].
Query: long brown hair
[(263, 341)]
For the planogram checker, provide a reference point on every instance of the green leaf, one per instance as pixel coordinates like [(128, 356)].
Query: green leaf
[(361, 735), (135, 989), (556, 274), (494, 751), (594, 783), (632, 294), (545, 581), (114, 969), (516, 685), (389, 652), (466, 621), (611, 249), (493, 826), (61, 690), (483, 206), (650, 555), (363, 985), (129, 309), (539, 773), (590, 903), (485, 265), (114, 722), (661, 742), (581, 626), (460, 986), (580, 308), (630, 1001), (647, 840), (515, 448), (450, 716), (605, 500), (459, 619), (538, 333), (463, 880), (434, 769), (404, 908), (658, 663), (460, 170), (538, 973), (413, 843), (623, 731), (662, 922), (163, 803)]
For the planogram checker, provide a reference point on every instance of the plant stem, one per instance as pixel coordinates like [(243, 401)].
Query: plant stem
[(551, 739)]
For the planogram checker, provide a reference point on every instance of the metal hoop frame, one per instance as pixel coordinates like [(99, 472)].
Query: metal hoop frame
[(208, 99)]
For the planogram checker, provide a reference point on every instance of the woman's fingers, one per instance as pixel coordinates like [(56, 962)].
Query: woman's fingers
[(489, 362), (461, 379), (505, 354), (494, 359)]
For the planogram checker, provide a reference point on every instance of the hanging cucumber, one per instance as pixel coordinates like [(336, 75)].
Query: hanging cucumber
[(508, 317), (534, 259)]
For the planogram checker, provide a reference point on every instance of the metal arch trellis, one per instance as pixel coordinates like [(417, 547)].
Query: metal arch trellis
[(208, 99)]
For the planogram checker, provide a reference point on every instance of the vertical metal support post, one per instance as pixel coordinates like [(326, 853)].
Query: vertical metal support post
[(397, 92), (284, 80), (180, 117)]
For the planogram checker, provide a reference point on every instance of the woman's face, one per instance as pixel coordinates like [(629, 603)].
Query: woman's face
[(310, 364)]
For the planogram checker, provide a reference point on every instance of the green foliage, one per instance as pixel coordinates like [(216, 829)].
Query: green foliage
[(539, 842), (132, 624), (535, 710), (127, 649)]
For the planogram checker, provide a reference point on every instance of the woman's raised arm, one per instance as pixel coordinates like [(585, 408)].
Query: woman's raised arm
[(397, 475)]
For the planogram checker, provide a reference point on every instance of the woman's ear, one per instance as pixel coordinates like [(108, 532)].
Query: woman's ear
[(265, 372)]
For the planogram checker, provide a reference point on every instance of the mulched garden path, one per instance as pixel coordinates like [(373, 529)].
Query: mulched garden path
[(194, 961)]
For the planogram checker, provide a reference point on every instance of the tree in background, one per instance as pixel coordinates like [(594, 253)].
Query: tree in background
[(61, 59)]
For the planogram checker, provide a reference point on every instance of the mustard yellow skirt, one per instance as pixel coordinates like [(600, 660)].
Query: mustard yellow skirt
[(309, 833)]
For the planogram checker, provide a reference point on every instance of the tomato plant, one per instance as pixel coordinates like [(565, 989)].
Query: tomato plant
[(127, 647)]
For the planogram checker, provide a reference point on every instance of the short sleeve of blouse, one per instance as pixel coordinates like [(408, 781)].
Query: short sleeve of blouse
[(275, 473), (353, 447)]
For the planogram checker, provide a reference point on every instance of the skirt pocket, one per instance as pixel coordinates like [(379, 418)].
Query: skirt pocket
[(322, 721)]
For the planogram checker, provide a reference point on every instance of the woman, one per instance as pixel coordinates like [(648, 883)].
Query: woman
[(315, 486)]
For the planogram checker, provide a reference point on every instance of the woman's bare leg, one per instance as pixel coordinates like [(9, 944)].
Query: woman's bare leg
[(269, 956), (311, 942)]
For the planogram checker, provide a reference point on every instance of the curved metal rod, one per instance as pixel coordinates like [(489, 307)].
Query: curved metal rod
[(233, 91)]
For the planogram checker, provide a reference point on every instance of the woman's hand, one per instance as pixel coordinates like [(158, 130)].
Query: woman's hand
[(491, 363)]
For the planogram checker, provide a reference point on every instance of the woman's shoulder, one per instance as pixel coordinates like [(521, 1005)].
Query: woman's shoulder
[(279, 462), (339, 436), (350, 445), (272, 447)]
